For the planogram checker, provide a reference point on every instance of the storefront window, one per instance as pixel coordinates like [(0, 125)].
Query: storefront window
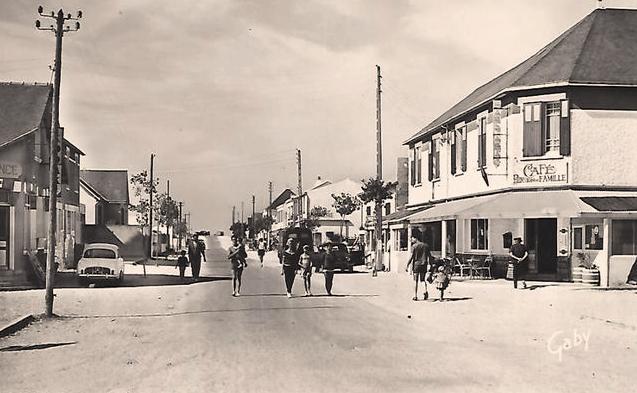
[(479, 234), (624, 237), (400, 239), (594, 237), (577, 238)]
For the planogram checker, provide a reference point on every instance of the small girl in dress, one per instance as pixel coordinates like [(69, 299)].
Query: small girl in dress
[(306, 270), (441, 280)]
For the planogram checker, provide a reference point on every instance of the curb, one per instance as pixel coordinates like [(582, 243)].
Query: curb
[(16, 325)]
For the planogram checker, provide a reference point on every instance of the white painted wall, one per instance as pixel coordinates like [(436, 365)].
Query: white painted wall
[(87, 200), (603, 147)]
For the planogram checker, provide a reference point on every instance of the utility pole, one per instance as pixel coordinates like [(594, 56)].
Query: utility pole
[(269, 211), (253, 213), (181, 204), (233, 214), (168, 234), (150, 208), (299, 186), (379, 176), (56, 151), (241, 212)]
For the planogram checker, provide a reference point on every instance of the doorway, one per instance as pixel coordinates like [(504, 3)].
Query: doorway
[(4, 237), (541, 240)]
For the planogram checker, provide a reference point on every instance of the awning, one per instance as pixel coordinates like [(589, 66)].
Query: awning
[(612, 203), (402, 215), (520, 204), (448, 210)]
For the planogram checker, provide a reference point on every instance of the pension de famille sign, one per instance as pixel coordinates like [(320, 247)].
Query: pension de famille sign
[(541, 173)]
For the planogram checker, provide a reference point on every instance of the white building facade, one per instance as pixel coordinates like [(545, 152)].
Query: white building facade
[(544, 151)]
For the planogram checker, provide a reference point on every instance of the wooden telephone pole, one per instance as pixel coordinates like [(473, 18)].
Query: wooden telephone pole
[(378, 265), (56, 148), (299, 186)]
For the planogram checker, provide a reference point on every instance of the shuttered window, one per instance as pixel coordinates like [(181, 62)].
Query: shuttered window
[(546, 128), (454, 153), (412, 173), (419, 165), (482, 143), (463, 149)]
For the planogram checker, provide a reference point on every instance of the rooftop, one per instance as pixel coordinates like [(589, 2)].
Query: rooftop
[(601, 49)]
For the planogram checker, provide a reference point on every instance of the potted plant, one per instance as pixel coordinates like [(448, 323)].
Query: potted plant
[(583, 261), (590, 272)]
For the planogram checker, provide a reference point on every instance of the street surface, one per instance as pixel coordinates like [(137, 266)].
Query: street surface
[(369, 338)]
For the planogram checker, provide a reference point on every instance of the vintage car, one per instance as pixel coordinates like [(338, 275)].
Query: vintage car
[(100, 261), (345, 258)]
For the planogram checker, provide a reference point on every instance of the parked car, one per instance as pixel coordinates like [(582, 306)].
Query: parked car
[(99, 262), (345, 259)]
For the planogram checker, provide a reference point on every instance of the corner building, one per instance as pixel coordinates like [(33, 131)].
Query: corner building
[(545, 151)]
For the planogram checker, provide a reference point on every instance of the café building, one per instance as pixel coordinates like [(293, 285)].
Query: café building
[(545, 151)]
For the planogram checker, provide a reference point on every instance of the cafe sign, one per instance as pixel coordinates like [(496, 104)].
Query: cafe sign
[(541, 173), (10, 170)]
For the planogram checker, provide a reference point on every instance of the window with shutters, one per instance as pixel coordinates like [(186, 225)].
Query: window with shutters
[(418, 164), (412, 171), (454, 153), (482, 143), (461, 149), (553, 116), (434, 160), (546, 128)]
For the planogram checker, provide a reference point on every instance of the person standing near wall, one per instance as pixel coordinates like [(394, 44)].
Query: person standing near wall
[(519, 258)]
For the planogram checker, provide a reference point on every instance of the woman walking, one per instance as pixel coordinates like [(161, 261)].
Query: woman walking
[(237, 256), (290, 266), (306, 269)]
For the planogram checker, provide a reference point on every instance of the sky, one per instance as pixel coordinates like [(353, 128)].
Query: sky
[(224, 92)]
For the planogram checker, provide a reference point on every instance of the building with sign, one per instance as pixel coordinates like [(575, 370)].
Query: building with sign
[(24, 183), (545, 151)]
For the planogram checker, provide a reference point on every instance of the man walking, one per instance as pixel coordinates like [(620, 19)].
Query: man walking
[(196, 250), (519, 254), (329, 263), (420, 257)]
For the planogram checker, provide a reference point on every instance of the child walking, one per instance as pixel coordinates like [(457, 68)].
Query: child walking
[(306, 270), (441, 280), (182, 262)]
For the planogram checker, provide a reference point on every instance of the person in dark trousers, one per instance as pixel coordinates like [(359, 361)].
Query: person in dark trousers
[(329, 263), (182, 263), (237, 256), (418, 261), (519, 254), (290, 266), (196, 249)]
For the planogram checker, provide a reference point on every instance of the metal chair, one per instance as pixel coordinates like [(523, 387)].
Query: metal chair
[(483, 267), (462, 266)]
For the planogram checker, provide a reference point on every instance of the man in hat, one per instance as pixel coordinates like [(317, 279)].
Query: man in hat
[(519, 254)]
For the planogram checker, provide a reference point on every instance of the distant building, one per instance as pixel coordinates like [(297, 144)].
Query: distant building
[(320, 195), (105, 195), (25, 122)]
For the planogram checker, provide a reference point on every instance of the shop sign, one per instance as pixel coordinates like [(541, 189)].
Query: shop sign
[(540, 173), (10, 170)]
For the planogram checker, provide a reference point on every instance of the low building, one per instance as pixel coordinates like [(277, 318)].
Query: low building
[(331, 225), (544, 151), (105, 195), (25, 123)]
